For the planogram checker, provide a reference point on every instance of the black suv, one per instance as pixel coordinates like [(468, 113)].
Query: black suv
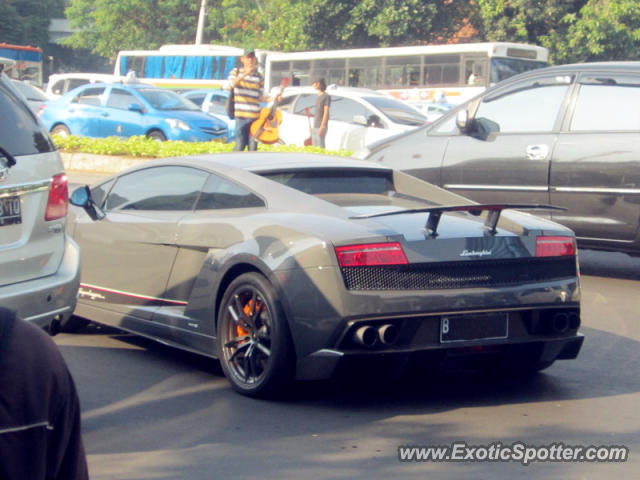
[(567, 135)]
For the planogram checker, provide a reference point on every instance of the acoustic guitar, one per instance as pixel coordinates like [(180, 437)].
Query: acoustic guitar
[(265, 128)]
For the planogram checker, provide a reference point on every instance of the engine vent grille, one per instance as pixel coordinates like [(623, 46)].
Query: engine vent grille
[(451, 275)]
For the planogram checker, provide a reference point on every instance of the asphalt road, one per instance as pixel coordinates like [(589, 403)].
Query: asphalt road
[(150, 412)]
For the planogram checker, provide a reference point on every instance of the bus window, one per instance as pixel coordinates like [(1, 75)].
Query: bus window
[(365, 72)]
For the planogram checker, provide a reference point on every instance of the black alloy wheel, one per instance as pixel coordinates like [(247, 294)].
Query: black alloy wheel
[(254, 344)]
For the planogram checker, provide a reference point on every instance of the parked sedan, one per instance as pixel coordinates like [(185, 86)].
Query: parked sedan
[(567, 135), (213, 102), (357, 117), (300, 266), (124, 110)]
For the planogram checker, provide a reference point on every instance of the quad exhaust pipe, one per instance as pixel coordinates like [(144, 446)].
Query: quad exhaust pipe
[(561, 322), (368, 336)]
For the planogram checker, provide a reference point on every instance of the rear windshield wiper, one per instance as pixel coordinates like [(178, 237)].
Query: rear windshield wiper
[(435, 213), (11, 161)]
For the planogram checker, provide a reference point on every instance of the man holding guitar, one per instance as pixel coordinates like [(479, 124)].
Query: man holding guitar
[(248, 84)]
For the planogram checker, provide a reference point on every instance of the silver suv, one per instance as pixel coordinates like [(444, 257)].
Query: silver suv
[(39, 263)]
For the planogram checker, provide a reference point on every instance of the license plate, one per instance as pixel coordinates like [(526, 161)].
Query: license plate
[(10, 211), (478, 326)]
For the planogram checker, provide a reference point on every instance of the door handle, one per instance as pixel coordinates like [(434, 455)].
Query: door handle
[(537, 152), (104, 114)]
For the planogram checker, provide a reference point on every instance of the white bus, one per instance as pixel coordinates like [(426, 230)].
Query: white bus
[(416, 74), (182, 67)]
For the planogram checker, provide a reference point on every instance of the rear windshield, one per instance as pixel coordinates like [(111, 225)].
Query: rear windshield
[(318, 182), (20, 132)]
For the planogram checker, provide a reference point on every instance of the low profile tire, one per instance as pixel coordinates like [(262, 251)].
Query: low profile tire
[(254, 343), (61, 130), (156, 135)]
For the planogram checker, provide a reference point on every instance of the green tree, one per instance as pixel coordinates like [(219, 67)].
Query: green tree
[(26, 22), (525, 21), (322, 24), (107, 26), (604, 30)]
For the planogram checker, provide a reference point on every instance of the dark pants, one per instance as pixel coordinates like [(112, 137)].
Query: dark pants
[(243, 135)]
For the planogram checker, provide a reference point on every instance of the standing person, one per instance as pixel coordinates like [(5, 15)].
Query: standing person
[(40, 434), (321, 114), (247, 83)]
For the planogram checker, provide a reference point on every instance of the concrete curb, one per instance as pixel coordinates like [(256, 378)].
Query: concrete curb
[(88, 162)]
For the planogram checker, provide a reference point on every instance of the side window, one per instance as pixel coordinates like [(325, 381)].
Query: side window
[(58, 88), (20, 133), (219, 193), (307, 100), (121, 99), (286, 103), (607, 103), (196, 98), (531, 106), (90, 96), (99, 192), (76, 82), (157, 188), (217, 104), (346, 110)]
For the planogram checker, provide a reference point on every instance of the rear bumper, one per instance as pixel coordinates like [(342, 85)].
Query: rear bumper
[(326, 363), (43, 299)]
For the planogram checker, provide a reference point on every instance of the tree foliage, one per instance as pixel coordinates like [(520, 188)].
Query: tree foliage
[(107, 26), (573, 30), (606, 30), (26, 22)]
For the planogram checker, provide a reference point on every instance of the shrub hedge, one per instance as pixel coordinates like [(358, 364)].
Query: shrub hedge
[(141, 146)]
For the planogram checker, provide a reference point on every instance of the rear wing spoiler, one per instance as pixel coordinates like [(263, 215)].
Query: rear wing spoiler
[(435, 213)]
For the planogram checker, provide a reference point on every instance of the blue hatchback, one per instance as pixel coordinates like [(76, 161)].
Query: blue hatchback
[(124, 110)]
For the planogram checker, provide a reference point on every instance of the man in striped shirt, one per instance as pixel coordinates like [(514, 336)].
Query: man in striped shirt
[(247, 84)]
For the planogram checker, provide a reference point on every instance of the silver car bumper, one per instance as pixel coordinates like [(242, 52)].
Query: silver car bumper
[(43, 299)]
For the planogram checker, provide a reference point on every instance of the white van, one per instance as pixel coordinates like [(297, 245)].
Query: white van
[(61, 83)]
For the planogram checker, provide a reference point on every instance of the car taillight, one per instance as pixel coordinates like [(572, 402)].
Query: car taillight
[(58, 203), (555, 246), (371, 254)]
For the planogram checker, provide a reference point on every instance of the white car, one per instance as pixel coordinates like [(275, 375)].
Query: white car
[(357, 117), (61, 83)]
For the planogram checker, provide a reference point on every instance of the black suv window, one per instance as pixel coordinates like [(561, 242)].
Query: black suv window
[(157, 188), (607, 103), (528, 106), (20, 132)]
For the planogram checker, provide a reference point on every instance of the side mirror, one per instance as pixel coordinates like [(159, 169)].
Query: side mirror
[(135, 107), (462, 121), (81, 197), (360, 120)]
